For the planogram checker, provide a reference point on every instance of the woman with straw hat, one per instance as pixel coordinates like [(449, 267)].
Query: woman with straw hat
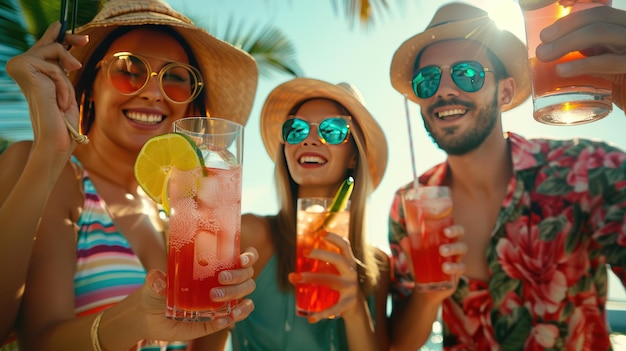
[(313, 157), (95, 279)]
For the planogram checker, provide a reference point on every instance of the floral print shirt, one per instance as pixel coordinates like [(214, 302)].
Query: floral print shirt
[(562, 222)]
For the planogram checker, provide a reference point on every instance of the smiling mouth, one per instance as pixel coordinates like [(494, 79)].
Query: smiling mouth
[(451, 113), (311, 160), (145, 118)]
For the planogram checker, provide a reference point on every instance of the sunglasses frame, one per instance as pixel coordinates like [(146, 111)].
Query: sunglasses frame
[(323, 139), (473, 64), (106, 64)]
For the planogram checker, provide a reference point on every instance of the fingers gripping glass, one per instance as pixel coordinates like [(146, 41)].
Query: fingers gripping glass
[(63, 19), (467, 75), (130, 73), (333, 130)]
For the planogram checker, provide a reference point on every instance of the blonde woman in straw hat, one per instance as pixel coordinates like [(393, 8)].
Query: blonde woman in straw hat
[(542, 218), (95, 279), (313, 163)]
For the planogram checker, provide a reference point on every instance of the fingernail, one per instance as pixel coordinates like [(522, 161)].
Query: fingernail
[(446, 267), (544, 49), (312, 319), (444, 250), (158, 285), (245, 260), (225, 277), (217, 293), (549, 32), (447, 232), (222, 322), (237, 312), (296, 277)]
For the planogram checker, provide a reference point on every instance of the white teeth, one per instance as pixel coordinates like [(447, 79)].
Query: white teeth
[(144, 117), (311, 159), (451, 112)]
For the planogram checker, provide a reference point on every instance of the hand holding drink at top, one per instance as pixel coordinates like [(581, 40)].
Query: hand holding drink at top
[(562, 100)]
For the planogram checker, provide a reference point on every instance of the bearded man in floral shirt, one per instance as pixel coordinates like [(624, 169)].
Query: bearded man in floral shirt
[(541, 219)]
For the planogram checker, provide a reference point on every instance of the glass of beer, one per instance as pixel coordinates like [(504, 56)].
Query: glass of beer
[(557, 100)]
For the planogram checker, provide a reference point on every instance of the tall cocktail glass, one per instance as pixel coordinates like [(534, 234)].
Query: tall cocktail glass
[(557, 100), (428, 211), (312, 214), (205, 219)]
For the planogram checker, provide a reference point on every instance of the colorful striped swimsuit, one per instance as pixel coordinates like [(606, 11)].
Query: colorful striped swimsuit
[(107, 268)]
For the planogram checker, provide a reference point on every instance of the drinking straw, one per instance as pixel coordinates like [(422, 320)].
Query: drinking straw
[(408, 122), (340, 201)]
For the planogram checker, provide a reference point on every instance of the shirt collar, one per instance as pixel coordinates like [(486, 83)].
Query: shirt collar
[(525, 153)]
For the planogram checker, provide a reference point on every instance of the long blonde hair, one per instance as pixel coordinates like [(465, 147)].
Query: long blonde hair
[(284, 235)]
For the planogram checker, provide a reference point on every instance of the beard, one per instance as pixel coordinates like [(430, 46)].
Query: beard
[(457, 145)]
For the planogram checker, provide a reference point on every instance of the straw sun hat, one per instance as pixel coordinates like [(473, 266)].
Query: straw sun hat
[(283, 98), (462, 21), (230, 74)]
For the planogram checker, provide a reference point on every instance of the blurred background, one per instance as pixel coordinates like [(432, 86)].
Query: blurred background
[(334, 40)]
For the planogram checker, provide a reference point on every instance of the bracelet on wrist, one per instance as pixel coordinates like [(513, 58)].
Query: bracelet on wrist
[(95, 341)]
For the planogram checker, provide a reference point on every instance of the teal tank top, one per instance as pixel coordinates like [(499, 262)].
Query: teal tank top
[(273, 325)]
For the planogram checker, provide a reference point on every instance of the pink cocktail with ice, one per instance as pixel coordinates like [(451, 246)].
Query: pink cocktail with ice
[(205, 221)]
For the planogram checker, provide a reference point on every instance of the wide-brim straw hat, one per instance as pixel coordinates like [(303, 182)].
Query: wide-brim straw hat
[(463, 21), (286, 96), (230, 74)]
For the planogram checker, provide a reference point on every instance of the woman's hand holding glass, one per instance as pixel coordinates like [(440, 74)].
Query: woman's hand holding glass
[(237, 283), (346, 282)]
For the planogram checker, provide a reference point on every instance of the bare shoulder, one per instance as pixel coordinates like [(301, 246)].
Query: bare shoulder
[(12, 162), (256, 232), (16, 155)]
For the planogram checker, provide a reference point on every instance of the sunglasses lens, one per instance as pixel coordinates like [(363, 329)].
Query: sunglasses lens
[(469, 76), (295, 130), (179, 82), (129, 74), (426, 82), (334, 130)]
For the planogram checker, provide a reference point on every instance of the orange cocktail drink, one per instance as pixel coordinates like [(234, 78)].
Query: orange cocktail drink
[(312, 213), (428, 211), (205, 222), (558, 100)]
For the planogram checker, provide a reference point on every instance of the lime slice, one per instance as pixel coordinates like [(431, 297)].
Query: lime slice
[(158, 156)]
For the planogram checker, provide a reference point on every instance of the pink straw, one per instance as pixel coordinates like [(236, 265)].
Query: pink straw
[(408, 122)]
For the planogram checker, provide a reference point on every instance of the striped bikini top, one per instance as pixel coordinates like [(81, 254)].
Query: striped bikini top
[(107, 268)]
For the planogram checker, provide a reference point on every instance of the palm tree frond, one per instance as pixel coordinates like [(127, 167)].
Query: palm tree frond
[(12, 29), (272, 50), (39, 14), (363, 11)]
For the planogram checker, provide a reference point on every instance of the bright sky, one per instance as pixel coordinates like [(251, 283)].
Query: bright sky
[(328, 48)]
